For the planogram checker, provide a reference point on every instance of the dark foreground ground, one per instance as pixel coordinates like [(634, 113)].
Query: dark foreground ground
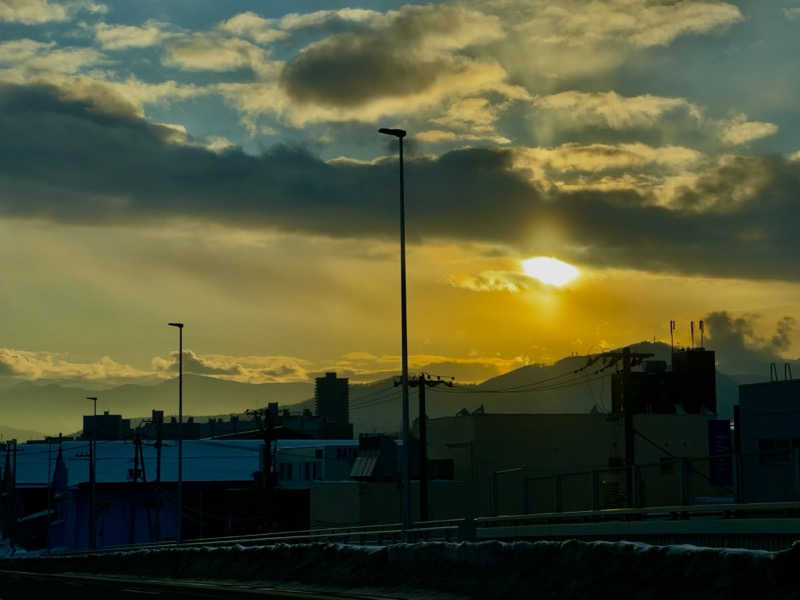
[(570, 570)]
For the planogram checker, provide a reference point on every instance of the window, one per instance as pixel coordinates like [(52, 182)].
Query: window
[(318, 453), (317, 471), (667, 464), (307, 469)]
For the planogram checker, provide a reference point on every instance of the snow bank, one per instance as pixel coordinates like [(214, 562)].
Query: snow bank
[(571, 569)]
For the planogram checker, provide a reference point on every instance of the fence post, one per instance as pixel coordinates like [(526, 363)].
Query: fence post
[(684, 480), (556, 493), (595, 490), (526, 506), (494, 495)]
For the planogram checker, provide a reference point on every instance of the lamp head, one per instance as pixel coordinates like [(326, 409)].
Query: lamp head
[(398, 133), (178, 325)]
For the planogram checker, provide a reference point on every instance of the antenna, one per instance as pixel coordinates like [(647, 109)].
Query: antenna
[(672, 336), (702, 332), (691, 329)]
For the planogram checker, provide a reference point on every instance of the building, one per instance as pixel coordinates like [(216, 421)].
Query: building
[(767, 441), (106, 427), (332, 398), (515, 463), (300, 463), (689, 388)]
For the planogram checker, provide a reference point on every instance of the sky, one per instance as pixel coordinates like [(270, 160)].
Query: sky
[(218, 163)]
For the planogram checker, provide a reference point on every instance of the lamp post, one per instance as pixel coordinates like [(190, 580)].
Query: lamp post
[(400, 134), (179, 536), (93, 478)]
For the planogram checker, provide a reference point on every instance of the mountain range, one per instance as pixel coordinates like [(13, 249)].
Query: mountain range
[(556, 388)]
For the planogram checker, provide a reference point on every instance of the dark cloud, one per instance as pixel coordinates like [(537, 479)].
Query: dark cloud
[(7, 370), (349, 70), (82, 161), (279, 372), (192, 363), (740, 349), (400, 55)]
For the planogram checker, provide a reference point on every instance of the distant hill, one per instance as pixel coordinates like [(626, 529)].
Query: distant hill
[(54, 408), (21, 435), (375, 407)]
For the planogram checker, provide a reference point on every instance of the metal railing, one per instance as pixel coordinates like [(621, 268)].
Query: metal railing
[(493, 527)]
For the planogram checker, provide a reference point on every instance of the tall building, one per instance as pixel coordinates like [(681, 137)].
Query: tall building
[(332, 398)]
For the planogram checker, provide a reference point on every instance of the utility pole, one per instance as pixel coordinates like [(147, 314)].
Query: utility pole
[(179, 533), (627, 404), (92, 479), (629, 359), (406, 455), (14, 494), (423, 383)]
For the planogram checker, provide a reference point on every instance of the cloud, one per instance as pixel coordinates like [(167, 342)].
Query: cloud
[(740, 131), (363, 367), (121, 37), (610, 109), (252, 26), (740, 349), (36, 12), (408, 60), (494, 281), (30, 365), (107, 165), (26, 58), (244, 369), (212, 52), (438, 136), (550, 43), (602, 157), (792, 13)]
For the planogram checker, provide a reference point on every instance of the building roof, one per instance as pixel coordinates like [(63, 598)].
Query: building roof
[(203, 460)]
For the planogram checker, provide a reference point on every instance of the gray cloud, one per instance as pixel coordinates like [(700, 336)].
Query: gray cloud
[(740, 349), (92, 160), (193, 363), (7, 369), (403, 54)]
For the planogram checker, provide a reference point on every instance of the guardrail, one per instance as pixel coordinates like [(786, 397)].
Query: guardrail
[(770, 517)]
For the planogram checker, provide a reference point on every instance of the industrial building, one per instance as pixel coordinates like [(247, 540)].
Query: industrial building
[(767, 441), (106, 427), (512, 464), (689, 388), (332, 398)]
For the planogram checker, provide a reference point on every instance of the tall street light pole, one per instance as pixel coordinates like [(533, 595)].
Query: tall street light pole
[(93, 478), (400, 134), (179, 536)]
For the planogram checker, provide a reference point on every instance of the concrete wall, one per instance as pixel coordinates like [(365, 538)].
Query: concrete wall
[(343, 503), (545, 444), (770, 411)]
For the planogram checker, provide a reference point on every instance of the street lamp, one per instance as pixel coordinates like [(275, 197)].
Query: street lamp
[(400, 134), (92, 478), (179, 536)]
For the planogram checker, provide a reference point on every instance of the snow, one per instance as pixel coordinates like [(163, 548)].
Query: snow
[(490, 569)]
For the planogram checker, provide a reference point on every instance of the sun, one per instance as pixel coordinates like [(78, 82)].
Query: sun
[(549, 270)]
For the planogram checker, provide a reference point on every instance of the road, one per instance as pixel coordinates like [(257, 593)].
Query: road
[(27, 585)]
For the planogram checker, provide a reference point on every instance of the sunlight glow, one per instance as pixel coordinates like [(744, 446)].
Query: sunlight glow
[(549, 270)]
